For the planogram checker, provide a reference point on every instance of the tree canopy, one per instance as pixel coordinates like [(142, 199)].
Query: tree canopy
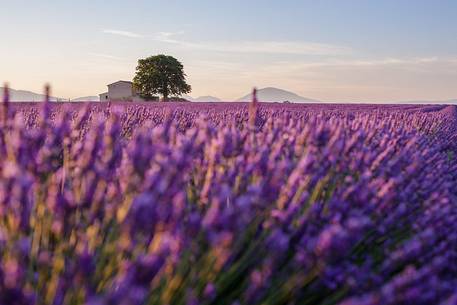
[(160, 74)]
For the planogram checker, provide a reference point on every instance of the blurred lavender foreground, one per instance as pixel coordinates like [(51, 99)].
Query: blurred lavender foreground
[(227, 204)]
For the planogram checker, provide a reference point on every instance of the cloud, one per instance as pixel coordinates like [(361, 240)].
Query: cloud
[(315, 68), (276, 47), (106, 56), (122, 33), (256, 47), (249, 47), (369, 63), (338, 79), (167, 37), (389, 61)]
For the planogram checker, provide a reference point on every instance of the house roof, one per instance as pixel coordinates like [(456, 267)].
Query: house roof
[(121, 81)]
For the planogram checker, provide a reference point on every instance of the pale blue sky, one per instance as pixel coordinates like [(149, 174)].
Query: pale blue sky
[(351, 50)]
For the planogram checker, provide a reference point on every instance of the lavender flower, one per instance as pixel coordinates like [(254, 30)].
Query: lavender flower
[(121, 203)]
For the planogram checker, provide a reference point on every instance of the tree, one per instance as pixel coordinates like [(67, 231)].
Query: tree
[(160, 74)]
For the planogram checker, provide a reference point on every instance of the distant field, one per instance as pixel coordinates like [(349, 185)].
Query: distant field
[(228, 203)]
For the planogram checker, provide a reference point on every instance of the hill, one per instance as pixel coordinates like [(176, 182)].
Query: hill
[(207, 98), (27, 96), (202, 99), (271, 94), (86, 99)]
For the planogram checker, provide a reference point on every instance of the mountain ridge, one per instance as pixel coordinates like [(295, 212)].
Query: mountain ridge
[(268, 94), (272, 94), (90, 98), (202, 99), (27, 96)]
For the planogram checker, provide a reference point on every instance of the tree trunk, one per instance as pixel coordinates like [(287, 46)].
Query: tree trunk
[(165, 93)]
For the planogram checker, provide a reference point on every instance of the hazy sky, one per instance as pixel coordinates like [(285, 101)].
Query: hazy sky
[(365, 50)]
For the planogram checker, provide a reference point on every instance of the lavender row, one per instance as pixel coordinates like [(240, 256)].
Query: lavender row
[(227, 204)]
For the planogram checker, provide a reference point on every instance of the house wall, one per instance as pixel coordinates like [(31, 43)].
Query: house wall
[(120, 91), (104, 97)]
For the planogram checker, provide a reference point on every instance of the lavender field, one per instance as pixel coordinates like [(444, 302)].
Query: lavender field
[(227, 203)]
